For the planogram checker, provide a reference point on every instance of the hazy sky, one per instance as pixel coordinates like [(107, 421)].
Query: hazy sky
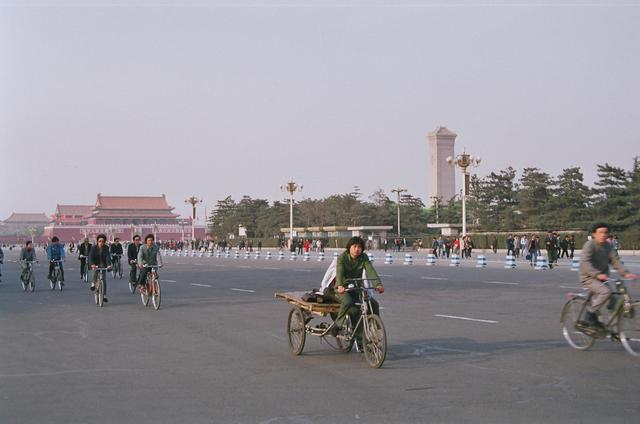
[(233, 98)]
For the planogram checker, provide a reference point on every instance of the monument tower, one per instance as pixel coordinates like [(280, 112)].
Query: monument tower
[(441, 181)]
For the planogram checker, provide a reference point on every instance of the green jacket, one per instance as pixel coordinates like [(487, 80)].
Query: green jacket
[(348, 268)]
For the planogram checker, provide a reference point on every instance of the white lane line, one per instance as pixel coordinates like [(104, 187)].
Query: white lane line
[(271, 267), (488, 321), (168, 281), (180, 263), (244, 266), (243, 290), (201, 285), (385, 275), (501, 282), (302, 270), (434, 278), (221, 265)]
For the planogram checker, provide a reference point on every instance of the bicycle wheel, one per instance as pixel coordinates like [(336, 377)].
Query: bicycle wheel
[(345, 339), (32, 282), (155, 293), (629, 329), (52, 282), (571, 314), (99, 292), (24, 280), (144, 294), (296, 330), (375, 341), (132, 288)]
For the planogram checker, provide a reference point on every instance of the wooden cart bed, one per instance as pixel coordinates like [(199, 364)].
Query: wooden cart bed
[(295, 298)]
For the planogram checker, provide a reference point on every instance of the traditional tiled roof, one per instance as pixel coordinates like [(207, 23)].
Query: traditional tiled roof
[(74, 210), (133, 202), (24, 218)]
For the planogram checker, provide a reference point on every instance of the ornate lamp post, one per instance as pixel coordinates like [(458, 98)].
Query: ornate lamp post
[(193, 201), (436, 203), (463, 161), (398, 191), (291, 187)]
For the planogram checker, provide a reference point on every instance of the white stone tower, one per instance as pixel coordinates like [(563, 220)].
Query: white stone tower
[(441, 181)]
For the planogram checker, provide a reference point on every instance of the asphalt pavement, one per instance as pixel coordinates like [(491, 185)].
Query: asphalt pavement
[(465, 345)]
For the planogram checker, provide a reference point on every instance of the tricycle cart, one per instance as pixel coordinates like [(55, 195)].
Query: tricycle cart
[(303, 312)]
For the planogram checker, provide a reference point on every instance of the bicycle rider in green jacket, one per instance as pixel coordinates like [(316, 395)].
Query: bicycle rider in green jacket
[(350, 265)]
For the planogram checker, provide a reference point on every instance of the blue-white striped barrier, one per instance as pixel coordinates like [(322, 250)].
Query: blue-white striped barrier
[(320, 256), (408, 259), (510, 262), (542, 263), (482, 262), (388, 259), (575, 263), (431, 259)]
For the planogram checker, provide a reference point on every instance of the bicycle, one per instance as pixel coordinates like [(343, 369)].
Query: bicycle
[(116, 266), (56, 275), (374, 333), (84, 268), (151, 288), (98, 293), (619, 320), (27, 278), (132, 284)]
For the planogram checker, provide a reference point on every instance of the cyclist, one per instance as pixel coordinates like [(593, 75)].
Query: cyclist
[(55, 252), (100, 257), (132, 257), (351, 264), (27, 254), (116, 249), (149, 254), (596, 256), (83, 254)]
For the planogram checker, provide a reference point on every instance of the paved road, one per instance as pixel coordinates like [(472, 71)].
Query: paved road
[(217, 352)]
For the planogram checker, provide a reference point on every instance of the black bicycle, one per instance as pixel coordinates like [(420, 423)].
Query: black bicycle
[(56, 275), (27, 278), (619, 320), (116, 266)]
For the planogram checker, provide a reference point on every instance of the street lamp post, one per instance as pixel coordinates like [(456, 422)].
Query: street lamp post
[(291, 187), (193, 201), (463, 161), (398, 191)]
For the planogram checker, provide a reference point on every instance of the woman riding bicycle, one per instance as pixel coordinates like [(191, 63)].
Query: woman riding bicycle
[(351, 265)]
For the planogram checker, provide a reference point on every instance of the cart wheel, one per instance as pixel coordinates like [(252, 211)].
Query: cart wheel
[(345, 345), (296, 330), (375, 341)]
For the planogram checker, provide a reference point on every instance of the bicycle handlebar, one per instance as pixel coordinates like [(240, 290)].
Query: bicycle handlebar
[(152, 266)]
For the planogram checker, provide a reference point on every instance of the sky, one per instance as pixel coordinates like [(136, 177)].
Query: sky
[(235, 98)]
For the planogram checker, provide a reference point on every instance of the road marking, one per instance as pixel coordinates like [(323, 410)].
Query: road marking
[(271, 267), (434, 278), (385, 275), (467, 319), (302, 270), (220, 265), (243, 290), (168, 281), (180, 263), (244, 266), (501, 282), (201, 285)]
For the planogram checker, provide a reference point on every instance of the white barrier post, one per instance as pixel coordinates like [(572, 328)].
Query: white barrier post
[(510, 262), (455, 260), (575, 263), (482, 262), (408, 259), (320, 256), (257, 255), (431, 259), (541, 263), (293, 256), (371, 257), (237, 255), (306, 256), (280, 255), (227, 254), (247, 254), (335, 255), (388, 259)]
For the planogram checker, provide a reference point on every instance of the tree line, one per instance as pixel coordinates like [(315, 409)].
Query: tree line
[(501, 201)]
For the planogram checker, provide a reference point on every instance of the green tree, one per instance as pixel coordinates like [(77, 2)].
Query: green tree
[(534, 197)]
